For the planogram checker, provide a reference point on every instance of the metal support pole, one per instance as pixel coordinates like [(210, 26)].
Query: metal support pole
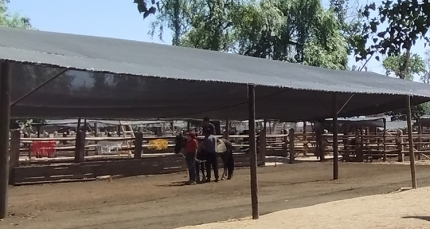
[(384, 139), (411, 143), (253, 152), (5, 85), (335, 139), (227, 125)]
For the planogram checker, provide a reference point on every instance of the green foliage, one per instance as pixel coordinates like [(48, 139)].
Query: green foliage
[(147, 7), (257, 28), (335, 53), (12, 20), (393, 64), (414, 66), (298, 31), (416, 112), (425, 78), (396, 27), (15, 20), (347, 13)]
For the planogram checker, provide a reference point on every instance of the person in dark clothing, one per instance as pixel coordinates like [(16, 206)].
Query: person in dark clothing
[(209, 149), (207, 126)]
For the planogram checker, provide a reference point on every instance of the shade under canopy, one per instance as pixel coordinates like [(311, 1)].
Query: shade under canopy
[(114, 78)]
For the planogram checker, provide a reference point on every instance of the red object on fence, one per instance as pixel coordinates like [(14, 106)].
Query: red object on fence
[(42, 148)]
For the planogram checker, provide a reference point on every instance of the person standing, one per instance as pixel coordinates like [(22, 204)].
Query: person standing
[(208, 126), (191, 147), (209, 148)]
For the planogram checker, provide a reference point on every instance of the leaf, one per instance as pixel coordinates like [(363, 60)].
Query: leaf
[(146, 14), (138, 1), (153, 2), (375, 40), (372, 6), (366, 13), (142, 7), (381, 34), (152, 10), (373, 26), (158, 6)]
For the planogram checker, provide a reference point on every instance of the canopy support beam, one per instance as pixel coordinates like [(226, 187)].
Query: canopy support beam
[(5, 89), (38, 87), (335, 111), (335, 139), (410, 141), (253, 152)]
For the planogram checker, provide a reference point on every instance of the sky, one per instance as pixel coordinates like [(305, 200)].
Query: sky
[(113, 18)]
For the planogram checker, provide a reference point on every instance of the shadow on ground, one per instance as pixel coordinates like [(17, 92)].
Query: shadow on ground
[(426, 218)]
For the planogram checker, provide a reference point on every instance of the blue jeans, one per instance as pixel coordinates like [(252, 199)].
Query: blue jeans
[(190, 158)]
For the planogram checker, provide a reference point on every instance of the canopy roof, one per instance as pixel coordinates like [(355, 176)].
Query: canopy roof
[(130, 79)]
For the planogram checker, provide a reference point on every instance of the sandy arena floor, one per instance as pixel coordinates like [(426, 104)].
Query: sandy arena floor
[(162, 202), (401, 210)]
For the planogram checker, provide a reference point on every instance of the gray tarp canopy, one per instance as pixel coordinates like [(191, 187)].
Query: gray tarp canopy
[(114, 78)]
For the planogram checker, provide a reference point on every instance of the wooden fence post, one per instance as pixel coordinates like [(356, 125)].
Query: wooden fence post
[(80, 147), (399, 142), (292, 150), (345, 142), (263, 143), (358, 148), (305, 138), (419, 146), (15, 142), (319, 142), (286, 142), (138, 145)]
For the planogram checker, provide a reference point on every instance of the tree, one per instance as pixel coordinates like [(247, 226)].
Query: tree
[(415, 66), (210, 24), (15, 20), (147, 7), (299, 31), (405, 21), (393, 31), (335, 53), (393, 65), (425, 78), (174, 14), (9, 19), (347, 13), (295, 31)]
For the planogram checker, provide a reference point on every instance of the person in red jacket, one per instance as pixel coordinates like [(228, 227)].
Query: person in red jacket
[(191, 147)]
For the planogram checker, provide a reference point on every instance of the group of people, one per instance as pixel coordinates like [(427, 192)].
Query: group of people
[(208, 146)]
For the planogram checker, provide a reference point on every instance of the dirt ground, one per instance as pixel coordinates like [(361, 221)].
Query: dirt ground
[(162, 202), (398, 210)]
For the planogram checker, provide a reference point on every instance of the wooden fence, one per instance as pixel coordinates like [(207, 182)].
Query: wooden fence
[(80, 162), (388, 146)]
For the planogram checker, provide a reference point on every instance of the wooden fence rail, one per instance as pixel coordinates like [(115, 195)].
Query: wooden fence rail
[(81, 162)]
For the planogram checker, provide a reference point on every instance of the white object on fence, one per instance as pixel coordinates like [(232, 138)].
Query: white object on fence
[(106, 147)]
